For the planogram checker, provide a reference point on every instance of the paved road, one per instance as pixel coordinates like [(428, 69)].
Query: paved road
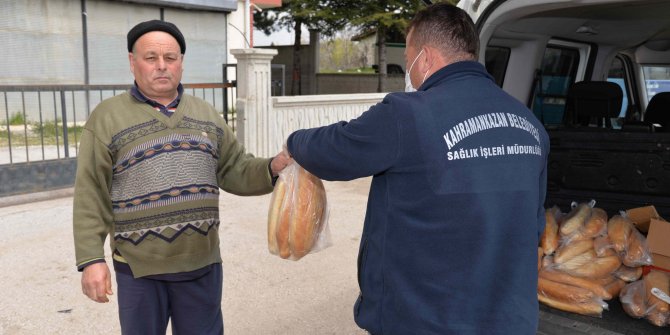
[(263, 294)]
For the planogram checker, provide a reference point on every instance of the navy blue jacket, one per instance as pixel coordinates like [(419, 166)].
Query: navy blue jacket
[(455, 208)]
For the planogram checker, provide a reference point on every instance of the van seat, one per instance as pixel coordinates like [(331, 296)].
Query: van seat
[(658, 111), (590, 101)]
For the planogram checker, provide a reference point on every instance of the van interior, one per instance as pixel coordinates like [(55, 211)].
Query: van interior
[(597, 74)]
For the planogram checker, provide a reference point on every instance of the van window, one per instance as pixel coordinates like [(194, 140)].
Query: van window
[(496, 59), (617, 75), (557, 73), (657, 79)]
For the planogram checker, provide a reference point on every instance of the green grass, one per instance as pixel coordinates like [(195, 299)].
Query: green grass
[(39, 132), (17, 119)]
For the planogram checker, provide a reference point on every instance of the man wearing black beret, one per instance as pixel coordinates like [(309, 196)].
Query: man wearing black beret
[(149, 170)]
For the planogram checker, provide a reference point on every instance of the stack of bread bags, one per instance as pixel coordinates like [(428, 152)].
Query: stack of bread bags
[(586, 258), (648, 298)]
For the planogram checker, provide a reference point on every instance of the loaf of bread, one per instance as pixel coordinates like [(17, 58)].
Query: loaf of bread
[(602, 245), (549, 239), (628, 274), (657, 318), (591, 308), (595, 225), (563, 292), (577, 261), (589, 265), (632, 299), (570, 250), (637, 252), (307, 220), (661, 281), (281, 206), (275, 213), (297, 213), (615, 287), (618, 230), (587, 283), (575, 219)]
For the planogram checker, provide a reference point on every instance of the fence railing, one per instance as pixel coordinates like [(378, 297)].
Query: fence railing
[(44, 122)]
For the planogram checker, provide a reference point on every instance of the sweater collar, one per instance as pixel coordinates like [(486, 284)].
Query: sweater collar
[(455, 71)]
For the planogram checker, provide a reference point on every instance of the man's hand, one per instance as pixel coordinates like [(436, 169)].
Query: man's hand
[(280, 161), (96, 282)]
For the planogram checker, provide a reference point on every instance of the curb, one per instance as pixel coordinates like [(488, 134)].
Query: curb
[(21, 199)]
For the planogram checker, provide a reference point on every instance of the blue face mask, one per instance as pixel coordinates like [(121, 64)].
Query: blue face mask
[(408, 80)]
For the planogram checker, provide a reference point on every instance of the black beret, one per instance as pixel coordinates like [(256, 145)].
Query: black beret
[(155, 25)]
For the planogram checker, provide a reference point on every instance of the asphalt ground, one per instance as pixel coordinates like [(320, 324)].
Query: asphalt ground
[(40, 288)]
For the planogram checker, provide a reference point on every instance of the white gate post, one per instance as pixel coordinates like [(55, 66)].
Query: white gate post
[(254, 103)]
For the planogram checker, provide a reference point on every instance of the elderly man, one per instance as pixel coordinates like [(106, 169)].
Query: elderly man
[(149, 169)]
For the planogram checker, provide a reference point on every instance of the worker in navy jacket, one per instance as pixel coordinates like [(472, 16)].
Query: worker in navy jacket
[(455, 209)]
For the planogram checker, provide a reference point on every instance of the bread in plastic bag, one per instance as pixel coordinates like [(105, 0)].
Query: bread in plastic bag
[(595, 225), (592, 285), (645, 298), (637, 251), (602, 246), (576, 218), (298, 215), (628, 274), (632, 299), (619, 229), (549, 238)]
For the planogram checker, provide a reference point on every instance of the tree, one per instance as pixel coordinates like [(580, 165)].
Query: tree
[(383, 16), (293, 14)]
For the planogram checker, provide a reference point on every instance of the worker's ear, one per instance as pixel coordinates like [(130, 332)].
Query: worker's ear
[(427, 60)]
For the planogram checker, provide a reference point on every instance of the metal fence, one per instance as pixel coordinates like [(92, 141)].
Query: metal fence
[(40, 123)]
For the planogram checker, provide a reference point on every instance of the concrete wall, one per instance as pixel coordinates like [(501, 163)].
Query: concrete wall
[(309, 63), (44, 43), (321, 83), (37, 176), (341, 83)]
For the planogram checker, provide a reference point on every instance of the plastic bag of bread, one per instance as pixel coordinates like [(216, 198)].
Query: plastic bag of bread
[(549, 239), (298, 215), (648, 298), (588, 264), (628, 274), (560, 294), (602, 245), (595, 225), (619, 229), (632, 299), (657, 291), (637, 252), (576, 218), (593, 285)]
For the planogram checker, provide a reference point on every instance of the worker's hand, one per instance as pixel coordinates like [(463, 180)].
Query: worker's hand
[(96, 282), (280, 161)]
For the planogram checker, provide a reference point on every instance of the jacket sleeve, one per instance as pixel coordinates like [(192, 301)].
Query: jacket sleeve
[(363, 147), (92, 207), (541, 219), (239, 172)]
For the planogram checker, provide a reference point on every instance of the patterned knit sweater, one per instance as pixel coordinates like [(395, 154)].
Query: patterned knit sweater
[(151, 182)]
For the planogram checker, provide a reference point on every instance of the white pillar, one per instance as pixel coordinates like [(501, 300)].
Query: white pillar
[(253, 100)]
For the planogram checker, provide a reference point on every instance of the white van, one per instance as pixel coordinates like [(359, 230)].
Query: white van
[(597, 74)]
